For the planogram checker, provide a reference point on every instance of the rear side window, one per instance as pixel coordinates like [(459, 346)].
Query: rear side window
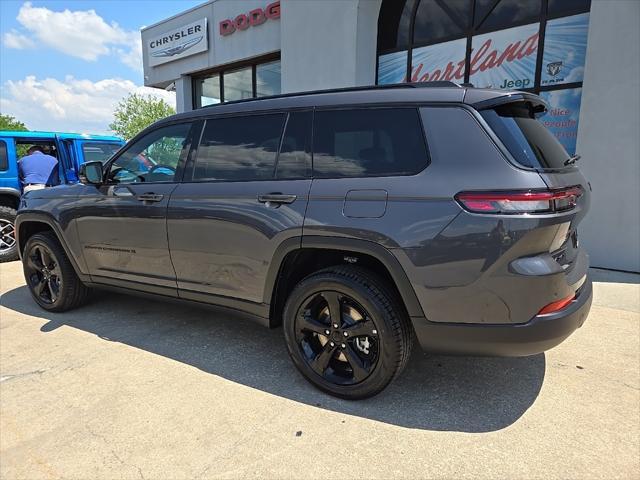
[(4, 159), (526, 138), (99, 152), (239, 148), (368, 142)]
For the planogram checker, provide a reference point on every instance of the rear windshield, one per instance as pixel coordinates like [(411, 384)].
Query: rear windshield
[(99, 152), (528, 140)]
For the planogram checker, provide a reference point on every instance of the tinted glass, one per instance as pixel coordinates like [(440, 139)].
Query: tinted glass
[(208, 91), (510, 12), (294, 160), (528, 140), (564, 7), (153, 158), (4, 160), (99, 152), (368, 142), (239, 148), (238, 85), (268, 79), (436, 20), (394, 23)]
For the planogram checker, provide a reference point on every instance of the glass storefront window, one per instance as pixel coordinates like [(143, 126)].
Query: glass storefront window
[(392, 68), (268, 77), (257, 80), (505, 59), (563, 115), (238, 85), (443, 61), (565, 50), (209, 91)]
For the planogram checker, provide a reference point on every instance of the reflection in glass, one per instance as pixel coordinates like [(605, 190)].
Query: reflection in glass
[(210, 91), (268, 79), (238, 85)]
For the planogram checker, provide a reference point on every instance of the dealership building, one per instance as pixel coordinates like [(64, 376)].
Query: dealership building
[(581, 56)]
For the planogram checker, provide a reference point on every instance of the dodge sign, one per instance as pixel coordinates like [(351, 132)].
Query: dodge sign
[(178, 43)]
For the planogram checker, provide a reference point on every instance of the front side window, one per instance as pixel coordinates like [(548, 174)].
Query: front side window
[(153, 158), (239, 148), (99, 151), (368, 142), (526, 138)]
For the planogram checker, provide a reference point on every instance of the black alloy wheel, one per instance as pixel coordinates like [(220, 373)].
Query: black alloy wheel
[(43, 274), (50, 276), (337, 337), (347, 332)]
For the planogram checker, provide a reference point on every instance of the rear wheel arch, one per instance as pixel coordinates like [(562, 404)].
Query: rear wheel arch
[(296, 259)]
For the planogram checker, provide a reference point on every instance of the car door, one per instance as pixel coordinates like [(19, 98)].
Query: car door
[(240, 200), (122, 224)]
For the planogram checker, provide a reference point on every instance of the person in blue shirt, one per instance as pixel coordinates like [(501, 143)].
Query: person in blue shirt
[(36, 168)]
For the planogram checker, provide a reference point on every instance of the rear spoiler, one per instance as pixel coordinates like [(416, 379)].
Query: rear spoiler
[(538, 104)]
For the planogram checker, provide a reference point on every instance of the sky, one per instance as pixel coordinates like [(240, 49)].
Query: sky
[(64, 65)]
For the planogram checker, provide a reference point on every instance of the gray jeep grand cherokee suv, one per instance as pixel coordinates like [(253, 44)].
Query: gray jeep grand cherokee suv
[(358, 219)]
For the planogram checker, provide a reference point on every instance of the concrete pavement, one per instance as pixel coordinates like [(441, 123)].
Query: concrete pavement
[(131, 388)]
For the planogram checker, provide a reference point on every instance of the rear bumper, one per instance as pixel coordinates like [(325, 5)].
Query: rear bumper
[(537, 335)]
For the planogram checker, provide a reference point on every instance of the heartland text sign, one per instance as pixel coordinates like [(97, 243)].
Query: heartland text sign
[(178, 43)]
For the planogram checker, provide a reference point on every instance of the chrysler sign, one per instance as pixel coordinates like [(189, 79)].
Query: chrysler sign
[(178, 43)]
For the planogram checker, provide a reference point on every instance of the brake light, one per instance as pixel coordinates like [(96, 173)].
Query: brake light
[(556, 306), (519, 201)]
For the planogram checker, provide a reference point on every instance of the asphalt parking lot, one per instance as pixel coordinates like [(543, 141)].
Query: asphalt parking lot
[(131, 388)]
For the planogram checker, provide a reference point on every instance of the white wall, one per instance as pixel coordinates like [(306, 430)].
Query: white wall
[(609, 135), (318, 39)]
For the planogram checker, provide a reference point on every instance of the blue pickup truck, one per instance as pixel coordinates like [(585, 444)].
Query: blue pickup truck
[(71, 150)]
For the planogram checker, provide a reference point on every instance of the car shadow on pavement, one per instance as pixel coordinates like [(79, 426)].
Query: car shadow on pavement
[(463, 394)]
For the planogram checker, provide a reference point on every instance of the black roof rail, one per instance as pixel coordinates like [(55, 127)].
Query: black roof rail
[(436, 84)]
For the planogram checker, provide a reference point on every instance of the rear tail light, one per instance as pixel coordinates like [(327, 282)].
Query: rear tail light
[(520, 202), (556, 306)]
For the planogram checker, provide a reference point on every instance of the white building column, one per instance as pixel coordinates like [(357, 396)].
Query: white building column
[(184, 94), (609, 135), (328, 44)]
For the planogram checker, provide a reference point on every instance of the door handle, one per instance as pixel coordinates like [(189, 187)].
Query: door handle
[(150, 197), (276, 198)]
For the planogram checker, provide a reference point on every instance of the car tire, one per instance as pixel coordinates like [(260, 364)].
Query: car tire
[(8, 245), (368, 346), (50, 277)]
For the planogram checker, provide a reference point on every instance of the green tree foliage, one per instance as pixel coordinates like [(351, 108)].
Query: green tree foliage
[(7, 122), (136, 112)]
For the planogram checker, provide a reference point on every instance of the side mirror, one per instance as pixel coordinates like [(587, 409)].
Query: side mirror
[(91, 173)]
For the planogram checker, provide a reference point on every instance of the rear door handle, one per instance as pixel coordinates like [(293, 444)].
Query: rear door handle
[(150, 197), (276, 198)]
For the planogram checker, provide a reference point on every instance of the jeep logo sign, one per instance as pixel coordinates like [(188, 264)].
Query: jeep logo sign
[(178, 43), (251, 19)]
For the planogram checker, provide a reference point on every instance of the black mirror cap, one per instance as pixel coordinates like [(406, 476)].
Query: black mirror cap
[(90, 173)]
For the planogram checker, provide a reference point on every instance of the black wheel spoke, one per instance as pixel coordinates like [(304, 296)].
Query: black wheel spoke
[(310, 324), (53, 290), (362, 328), (36, 259), (335, 308), (360, 370), (41, 287), (321, 362), (47, 261)]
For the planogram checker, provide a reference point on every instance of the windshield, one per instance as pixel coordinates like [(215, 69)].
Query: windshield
[(99, 152), (526, 138)]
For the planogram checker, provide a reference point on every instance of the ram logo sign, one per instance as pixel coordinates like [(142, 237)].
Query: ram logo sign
[(178, 43)]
